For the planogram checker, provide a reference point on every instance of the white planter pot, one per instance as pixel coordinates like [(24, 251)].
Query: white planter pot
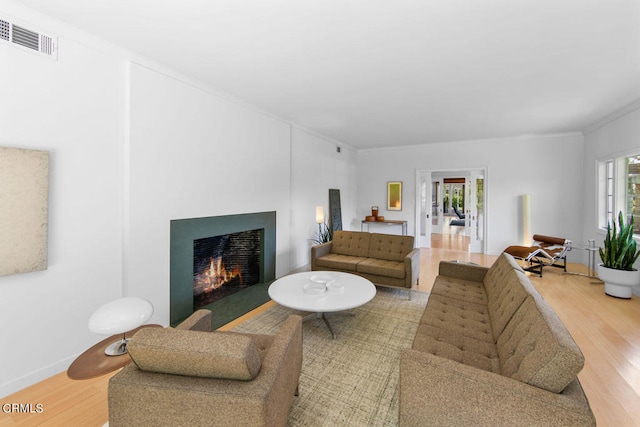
[(618, 283)]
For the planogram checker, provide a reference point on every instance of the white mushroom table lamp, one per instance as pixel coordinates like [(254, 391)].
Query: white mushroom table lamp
[(118, 317)]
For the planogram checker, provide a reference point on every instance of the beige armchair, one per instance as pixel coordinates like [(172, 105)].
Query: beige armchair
[(192, 376)]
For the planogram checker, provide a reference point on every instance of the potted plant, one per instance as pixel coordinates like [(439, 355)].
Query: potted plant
[(324, 235), (618, 256)]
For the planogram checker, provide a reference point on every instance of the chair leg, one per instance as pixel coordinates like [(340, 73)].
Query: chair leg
[(297, 392), (534, 267)]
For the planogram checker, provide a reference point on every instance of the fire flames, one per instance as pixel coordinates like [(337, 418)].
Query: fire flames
[(216, 275)]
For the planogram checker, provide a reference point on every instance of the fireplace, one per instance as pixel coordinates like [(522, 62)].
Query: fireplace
[(224, 265), (220, 259)]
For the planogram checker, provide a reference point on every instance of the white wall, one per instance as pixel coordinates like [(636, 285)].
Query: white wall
[(192, 154), (71, 108), (616, 136), (130, 149), (548, 168), (316, 168)]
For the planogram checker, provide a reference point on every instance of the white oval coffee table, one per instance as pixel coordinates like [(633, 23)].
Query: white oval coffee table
[(344, 292)]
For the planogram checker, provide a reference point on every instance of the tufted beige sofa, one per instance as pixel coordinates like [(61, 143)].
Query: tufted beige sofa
[(190, 376), (385, 259), (490, 351)]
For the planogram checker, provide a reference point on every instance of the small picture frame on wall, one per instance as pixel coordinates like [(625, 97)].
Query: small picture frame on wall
[(394, 195)]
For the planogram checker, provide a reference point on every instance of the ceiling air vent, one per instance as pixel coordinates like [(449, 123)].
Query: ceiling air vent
[(4, 30), (24, 38)]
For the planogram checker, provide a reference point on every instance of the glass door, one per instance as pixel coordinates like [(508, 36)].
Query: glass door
[(476, 211), (425, 213)]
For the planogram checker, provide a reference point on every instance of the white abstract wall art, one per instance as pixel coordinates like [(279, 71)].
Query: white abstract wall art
[(24, 199)]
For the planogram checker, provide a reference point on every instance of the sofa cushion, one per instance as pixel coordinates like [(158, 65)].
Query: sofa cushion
[(381, 267), (459, 317), (460, 304), (389, 247), (339, 262), (499, 271), (458, 347), (464, 290), (536, 348), (506, 300), (195, 353), (352, 243)]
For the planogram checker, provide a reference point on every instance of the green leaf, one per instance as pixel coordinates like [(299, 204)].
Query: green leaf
[(619, 246)]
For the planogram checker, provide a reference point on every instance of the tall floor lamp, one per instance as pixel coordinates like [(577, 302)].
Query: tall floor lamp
[(319, 219)]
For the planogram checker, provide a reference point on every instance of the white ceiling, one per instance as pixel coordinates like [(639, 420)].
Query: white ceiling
[(374, 73)]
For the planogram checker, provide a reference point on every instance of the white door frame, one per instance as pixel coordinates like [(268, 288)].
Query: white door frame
[(423, 176), (482, 247)]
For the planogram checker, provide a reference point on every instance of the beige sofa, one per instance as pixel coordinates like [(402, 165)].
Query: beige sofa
[(191, 376), (385, 259), (490, 351)]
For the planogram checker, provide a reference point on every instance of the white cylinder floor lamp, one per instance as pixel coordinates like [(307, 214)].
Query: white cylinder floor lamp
[(319, 219), (526, 219)]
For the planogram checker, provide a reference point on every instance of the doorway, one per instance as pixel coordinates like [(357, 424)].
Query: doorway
[(451, 207)]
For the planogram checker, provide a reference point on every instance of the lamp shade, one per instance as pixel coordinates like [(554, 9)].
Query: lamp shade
[(319, 214), (120, 316)]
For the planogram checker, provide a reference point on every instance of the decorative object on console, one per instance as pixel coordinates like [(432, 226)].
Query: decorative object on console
[(374, 215), (118, 317), (618, 256), (394, 195), (24, 191)]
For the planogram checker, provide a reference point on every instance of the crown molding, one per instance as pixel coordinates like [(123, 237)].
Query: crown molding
[(629, 108)]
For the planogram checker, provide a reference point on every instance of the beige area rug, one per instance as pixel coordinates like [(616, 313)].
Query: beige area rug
[(352, 380)]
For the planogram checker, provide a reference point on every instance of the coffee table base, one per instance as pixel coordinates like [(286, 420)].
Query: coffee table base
[(323, 316)]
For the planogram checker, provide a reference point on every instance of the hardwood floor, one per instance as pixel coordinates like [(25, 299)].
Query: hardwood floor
[(606, 329)]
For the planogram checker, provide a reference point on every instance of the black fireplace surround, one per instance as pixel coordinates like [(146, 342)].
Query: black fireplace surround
[(185, 235)]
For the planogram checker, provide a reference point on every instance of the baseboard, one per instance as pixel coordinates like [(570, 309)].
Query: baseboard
[(35, 377), (300, 269)]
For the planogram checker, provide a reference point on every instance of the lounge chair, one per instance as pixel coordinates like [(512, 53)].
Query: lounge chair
[(546, 252), (460, 215)]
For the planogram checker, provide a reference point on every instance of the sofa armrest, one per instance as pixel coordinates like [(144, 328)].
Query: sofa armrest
[(462, 270), (412, 267), (446, 392), (319, 250), (200, 320)]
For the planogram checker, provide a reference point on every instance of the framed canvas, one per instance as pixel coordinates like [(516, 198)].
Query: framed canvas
[(394, 195), (24, 191), (335, 210)]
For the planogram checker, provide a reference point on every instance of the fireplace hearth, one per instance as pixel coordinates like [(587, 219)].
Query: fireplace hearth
[(220, 260)]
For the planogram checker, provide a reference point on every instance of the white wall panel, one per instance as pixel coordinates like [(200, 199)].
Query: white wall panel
[(192, 154), (316, 167), (547, 168)]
